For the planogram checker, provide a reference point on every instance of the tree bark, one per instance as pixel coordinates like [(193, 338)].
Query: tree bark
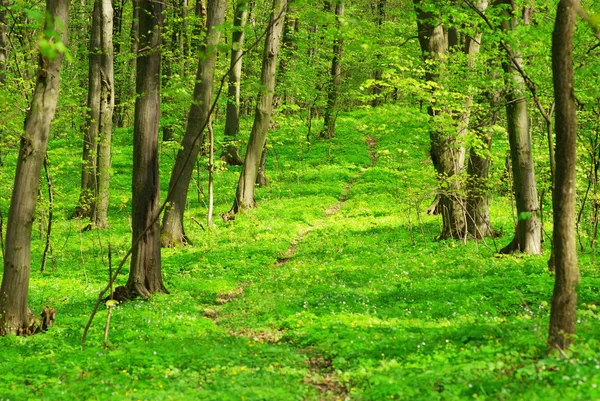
[(3, 39), (145, 276), (173, 233), (527, 237), (244, 197), (15, 315), (231, 153), (447, 148), (336, 78), (478, 213), (564, 299), (90, 140), (107, 104)]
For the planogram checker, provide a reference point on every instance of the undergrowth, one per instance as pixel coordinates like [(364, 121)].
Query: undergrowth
[(335, 287)]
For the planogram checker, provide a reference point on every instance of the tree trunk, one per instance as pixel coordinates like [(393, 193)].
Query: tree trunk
[(261, 177), (173, 233), (336, 78), (447, 148), (231, 153), (478, 213), (15, 315), (564, 299), (244, 197), (145, 276), (3, 39), (527, 237), (107, 98), (377, 88), (90, 140)]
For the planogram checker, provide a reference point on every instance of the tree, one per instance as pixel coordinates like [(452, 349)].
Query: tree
[(15, 315), (95, 173), (527, 237), (3, 39), (231, 153), (173, 233), (107, 103), (447, 145), (244, 197), (336, 78), (377, 88), (564, 299), (145, 276)]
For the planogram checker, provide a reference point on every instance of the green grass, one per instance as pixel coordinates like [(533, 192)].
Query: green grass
[(370, 306)]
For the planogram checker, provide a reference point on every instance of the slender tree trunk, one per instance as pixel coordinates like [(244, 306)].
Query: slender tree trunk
[(527, 237), (90, 140), (107, 99), (231, 153), (119, 5), (3, 56), (173, 233), (3, 39), (478, 214), (447, 148), (564, 299), (145, 276), (336, 79), (15, 315), (377, 88), (244, 197)]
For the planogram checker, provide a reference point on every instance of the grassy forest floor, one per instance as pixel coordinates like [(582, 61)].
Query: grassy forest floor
[(334, 288)]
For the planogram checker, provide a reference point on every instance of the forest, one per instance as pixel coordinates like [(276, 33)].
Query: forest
[(299, 199)]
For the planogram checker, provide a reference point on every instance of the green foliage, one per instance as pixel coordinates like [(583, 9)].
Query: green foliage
[(369, 305)]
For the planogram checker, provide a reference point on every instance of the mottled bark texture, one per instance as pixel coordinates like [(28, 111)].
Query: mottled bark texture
[(95, 174), (90, 138), (447, 146), (3, 39), (107, 104), (244, 197), (564, 299), (145, 276), (231, 154), (527, 237), (478, 213), (335, 79), (15, 315), (173, 233)]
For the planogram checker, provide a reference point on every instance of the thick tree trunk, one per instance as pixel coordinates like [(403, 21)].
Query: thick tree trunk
[(447, 148), (15, 315), (564, 299), (244, 197), (478, 212), (231, 153), (90, 140), (173, 233), (107, 98), (335, 80), (145, 276), (527, 237), (261, 177)]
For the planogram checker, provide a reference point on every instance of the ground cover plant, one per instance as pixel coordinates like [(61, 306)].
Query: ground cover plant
[(335, 288)]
